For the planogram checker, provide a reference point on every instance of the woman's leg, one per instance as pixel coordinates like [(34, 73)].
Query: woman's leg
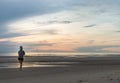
[(20, 65)]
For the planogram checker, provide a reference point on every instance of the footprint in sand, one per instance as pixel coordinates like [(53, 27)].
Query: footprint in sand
[(80, 81)]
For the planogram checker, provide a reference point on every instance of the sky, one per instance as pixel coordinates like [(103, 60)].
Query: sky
[(60, 26)]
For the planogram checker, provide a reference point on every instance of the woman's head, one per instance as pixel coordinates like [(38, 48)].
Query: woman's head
[(21, 48)]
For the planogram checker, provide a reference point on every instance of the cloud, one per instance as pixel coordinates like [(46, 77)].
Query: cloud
[(17, 9), (54, 22), (10, 35), (12, 10), (9, 47), (61, 22), (95, 48), (49, 51), (58, 15), (117, 31), (41, 43), (72, 11), (34, 47), (5, 33), (92, 25), (50, 32), (51, 21), (91, 41)]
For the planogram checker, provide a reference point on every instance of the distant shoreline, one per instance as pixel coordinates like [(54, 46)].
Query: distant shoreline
[(85, 59)]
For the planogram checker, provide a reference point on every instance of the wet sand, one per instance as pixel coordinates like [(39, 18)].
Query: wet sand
[(90, 71)]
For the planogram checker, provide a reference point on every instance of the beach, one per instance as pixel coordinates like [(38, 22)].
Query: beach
[(81, 74), (88, 70), (59, 41)]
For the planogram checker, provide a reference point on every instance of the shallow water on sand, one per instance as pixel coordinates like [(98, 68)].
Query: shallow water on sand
[(36, 64)]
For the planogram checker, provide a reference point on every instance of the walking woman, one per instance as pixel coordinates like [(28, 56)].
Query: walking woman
[(21, 54)]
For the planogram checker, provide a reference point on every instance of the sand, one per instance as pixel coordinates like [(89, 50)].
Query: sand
[(79, 73)]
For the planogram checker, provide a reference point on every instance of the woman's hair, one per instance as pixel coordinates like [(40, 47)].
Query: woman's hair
[(21, 47)]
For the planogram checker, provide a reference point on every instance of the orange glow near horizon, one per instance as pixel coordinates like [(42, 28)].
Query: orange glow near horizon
[(67, 30)]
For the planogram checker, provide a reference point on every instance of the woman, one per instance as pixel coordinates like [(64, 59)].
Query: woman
[(21, 54)]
